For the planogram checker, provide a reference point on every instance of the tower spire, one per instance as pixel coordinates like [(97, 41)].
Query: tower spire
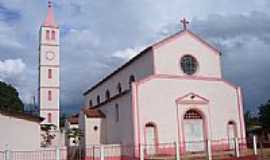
[(50, 21)]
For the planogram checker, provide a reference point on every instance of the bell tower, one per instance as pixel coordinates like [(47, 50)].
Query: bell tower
[(49, 69)]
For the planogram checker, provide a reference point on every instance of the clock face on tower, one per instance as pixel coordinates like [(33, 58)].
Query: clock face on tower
[(50, 55)]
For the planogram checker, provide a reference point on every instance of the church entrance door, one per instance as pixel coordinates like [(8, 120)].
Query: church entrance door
[(193, 131), (150, 135)]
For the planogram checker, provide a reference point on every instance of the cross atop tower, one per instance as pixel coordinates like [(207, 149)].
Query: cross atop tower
[(184, 22), (50, 21), (49, 4)]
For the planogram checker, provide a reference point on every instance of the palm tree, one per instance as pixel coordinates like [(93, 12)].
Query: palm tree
[(75, 134)]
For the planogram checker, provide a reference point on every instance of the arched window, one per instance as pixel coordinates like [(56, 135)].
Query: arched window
[(151, 138), (98, 99), (49, 95), (47, 35), (49, 117), (53, 35), (192, 114), (119, 88), (131, 79), (107, 95), (232, 133), (49, 73), (90, 103), (116, 112), (150, 124)]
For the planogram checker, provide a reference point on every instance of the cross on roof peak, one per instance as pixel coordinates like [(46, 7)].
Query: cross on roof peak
[(184, 22)]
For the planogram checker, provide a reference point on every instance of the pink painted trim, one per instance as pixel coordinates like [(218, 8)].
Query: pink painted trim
[(167, 40), (50, 44), (54, 66), (49, 109), (134, 113), (138, 115), (181, 33), (136, 121), (166, 76), (154, 62), (201, 101), (239, 112), (242, 112), (217, 51), (178, 126), (50, 21), (47, 87)]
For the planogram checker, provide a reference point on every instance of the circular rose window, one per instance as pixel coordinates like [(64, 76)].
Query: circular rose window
[(189, 64)]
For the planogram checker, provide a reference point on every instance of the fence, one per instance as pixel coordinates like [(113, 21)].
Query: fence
[(232, 149), (45, 154), (225, 149)]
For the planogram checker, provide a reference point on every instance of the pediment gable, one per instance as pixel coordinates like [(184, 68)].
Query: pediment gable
[(192, 98), (190, 34)]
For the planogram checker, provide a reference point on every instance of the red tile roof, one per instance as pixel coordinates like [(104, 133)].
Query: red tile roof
[(93, 113), (73, 119)]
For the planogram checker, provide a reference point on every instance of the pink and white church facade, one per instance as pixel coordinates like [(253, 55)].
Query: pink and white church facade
[(171, 91)]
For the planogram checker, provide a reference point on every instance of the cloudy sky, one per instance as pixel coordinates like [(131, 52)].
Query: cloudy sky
[(99, 35)]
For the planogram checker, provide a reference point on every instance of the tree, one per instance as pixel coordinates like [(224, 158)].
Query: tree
[(47, 134), (62, 120), (75, 134), (251, 122), (9, 98), (264, 115)]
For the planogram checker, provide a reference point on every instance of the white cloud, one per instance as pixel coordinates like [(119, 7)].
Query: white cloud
[(127, 53), (7, 37), (11, 67)]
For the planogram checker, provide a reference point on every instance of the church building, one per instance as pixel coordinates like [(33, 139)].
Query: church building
[(172, 91)]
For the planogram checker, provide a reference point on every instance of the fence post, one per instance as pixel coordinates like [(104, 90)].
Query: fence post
[(101, 152), (177, 150), (237, 152), (255, 145), (141, 152), (57, 153), (7, 153), (209, 149)]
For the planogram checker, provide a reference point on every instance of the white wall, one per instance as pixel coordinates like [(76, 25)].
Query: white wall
[(156, 103), (167, 57), (19, 134), (119, 132), (140, 68), (94, 136)]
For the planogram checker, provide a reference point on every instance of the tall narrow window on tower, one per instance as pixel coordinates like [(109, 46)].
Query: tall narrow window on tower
[(47, 35), (49, 73), (49, 117), (53, 35), (49, 95)]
